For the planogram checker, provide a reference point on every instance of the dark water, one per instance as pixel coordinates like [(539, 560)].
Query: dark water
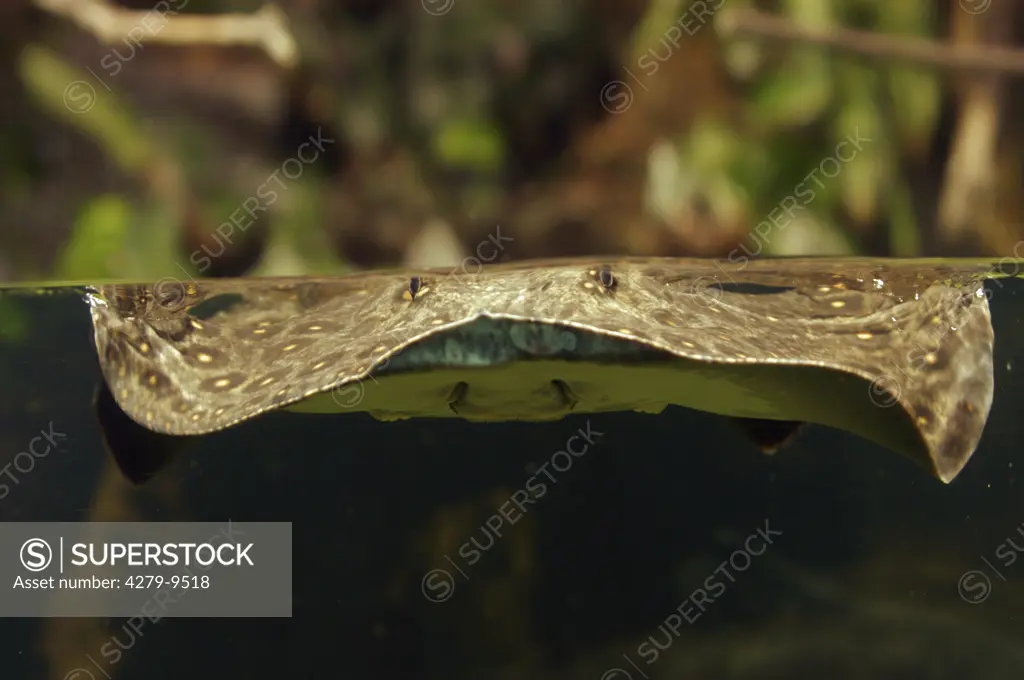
[(864, 580)]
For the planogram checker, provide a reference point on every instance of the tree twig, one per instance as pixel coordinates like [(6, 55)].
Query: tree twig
[(265, 28), (987, 59)]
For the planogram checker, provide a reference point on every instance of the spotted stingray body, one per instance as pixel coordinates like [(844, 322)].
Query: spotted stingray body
[(196, 357)]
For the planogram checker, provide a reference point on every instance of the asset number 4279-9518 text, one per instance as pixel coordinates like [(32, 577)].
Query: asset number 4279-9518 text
[(183, 582)]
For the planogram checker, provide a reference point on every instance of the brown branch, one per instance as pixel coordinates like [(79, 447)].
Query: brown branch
[(265, 28), (987, 59)]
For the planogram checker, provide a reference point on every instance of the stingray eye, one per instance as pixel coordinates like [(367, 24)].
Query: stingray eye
[(607, 279), (416, 288)]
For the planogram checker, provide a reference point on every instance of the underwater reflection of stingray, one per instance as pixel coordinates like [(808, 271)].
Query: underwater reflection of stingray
[(899, 352)]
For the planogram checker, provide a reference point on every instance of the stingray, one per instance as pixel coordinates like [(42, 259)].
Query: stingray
[(896, 351)]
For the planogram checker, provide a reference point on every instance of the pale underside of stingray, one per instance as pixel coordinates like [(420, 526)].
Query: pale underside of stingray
[(899, 352)]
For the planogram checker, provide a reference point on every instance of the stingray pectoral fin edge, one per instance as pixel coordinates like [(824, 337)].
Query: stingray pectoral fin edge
[(929, 401), (940, 432)]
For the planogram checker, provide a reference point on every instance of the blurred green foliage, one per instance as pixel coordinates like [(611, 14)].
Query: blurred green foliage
[(801, 107), (797, 105)]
